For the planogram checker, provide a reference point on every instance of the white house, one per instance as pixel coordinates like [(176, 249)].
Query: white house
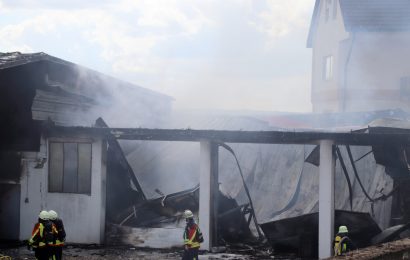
[(361, 60)]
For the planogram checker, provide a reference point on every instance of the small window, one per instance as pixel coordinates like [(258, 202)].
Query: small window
[(405, 88), (328, 3), (69, 167), (335, 4), (328, 67)]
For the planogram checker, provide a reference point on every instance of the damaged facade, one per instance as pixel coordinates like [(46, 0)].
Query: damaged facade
[(65, 173), (92, 180), (138, 188)]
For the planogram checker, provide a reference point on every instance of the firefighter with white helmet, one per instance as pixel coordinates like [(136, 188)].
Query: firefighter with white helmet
[(43, 215), (42, 236), (188, 214), (57, 246), (192, 237), (342, 242)]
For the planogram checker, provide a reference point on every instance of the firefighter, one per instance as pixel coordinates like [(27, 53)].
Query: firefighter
[(342, 243), (58, 243), (192, 237), (42, 237)]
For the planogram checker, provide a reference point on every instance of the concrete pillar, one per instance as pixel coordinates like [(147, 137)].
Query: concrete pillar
[(326, 198), (208, 190)]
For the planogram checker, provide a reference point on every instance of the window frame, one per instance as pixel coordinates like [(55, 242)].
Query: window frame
[(328, 4), (405, 88), (335, 5), (327, 67), (70, 141)]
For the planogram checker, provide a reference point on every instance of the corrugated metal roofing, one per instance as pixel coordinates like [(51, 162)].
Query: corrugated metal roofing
[(376, 15), (62, 108), (14, 59)]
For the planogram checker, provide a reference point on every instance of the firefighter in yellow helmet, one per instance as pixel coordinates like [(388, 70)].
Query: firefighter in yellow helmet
[(342, 243), (57, 246), (192, 237), (42, 237)]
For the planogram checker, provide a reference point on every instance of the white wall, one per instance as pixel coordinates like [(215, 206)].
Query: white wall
[(83, 215), (326, 42), (169, 237), (377, 62)]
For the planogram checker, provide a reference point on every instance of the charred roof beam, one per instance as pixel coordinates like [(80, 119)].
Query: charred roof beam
[(264, 137)]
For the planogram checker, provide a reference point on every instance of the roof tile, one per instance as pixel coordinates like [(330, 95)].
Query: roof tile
[(376, 15)]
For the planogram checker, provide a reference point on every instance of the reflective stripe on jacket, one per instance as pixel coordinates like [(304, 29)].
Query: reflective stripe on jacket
[(37, 236), (190, 237), (43, 235), (61, 232), (56, 241), (340, 245)]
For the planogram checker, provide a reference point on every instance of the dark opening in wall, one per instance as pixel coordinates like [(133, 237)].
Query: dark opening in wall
[(10, 166)]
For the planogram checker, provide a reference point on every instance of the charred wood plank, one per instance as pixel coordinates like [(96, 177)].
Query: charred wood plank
[(121, 158), (265, 137)]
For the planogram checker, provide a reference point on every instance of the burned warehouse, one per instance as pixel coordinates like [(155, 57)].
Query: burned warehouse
[(67, 173), (125, 169), (84, 175), (59, 153)]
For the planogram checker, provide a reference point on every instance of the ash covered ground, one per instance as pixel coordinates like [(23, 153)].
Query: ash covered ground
[(95, 252)]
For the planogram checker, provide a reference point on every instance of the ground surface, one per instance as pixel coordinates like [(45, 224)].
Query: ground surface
[(396, 250), (90, 253), (399, 249)]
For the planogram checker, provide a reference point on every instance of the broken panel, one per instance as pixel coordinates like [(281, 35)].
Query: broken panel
[(56, 161), (166, 212), (84, 168), (70, 178)]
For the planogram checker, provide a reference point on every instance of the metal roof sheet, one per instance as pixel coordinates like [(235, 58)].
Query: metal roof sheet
[(14, 59)]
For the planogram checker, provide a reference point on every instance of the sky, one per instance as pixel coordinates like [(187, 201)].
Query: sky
[(206, 54)]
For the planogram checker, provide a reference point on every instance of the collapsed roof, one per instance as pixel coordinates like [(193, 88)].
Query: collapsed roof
[(38, 87)]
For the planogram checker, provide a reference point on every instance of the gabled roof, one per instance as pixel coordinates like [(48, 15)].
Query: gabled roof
[(368, 15), (15, 59), (313, 24)]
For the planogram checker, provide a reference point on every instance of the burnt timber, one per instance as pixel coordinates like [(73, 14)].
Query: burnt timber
[(300, 234), (218, 136)]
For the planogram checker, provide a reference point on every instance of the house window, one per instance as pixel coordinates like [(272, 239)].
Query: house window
[(69, 167), (328, 67), (328, 3), (405, 88), (335, 4)]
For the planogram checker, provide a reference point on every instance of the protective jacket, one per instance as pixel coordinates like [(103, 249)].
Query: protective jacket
[(60, 238), (43, 234), (192, 236), (342, 244)]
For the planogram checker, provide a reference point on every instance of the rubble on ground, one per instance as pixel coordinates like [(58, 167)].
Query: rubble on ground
[(88, 252), (399, 249)]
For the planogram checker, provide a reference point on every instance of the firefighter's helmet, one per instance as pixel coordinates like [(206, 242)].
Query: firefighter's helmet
[(43, 215), (343, 229), (188, 214), (52, 215)]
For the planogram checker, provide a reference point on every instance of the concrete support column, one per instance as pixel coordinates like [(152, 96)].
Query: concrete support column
[(326, 198), (208, 191)]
